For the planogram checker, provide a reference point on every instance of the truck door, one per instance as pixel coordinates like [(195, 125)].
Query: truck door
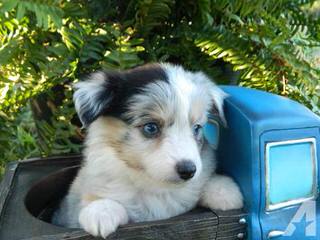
[(289, 184)]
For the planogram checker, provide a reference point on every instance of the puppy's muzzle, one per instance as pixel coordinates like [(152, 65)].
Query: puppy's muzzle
[(186, 169)]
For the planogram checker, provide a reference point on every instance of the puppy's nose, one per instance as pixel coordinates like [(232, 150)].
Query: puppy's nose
[(186, 169)]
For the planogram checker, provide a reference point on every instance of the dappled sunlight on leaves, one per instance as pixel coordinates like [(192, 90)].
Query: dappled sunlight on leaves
[(47, 45)]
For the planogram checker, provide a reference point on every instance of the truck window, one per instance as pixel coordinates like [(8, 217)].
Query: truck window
[(291, 172)]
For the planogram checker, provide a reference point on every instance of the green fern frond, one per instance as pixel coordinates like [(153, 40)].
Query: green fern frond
[(151, 13), (46, 12), (236, 51)]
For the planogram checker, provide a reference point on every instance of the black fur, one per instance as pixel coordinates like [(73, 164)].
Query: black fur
[(120, 86)]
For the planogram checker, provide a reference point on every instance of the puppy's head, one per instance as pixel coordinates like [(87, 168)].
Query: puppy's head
[(152, 116)]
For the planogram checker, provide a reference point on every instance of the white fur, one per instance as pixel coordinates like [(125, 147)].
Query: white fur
[(207, 89), (221, 193), (85, 98), (102, 217), (136, 179)]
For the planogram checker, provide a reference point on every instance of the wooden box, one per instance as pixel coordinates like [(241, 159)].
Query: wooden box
[(31, 190)]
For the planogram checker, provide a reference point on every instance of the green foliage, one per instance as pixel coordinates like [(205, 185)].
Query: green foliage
[(46, 45)]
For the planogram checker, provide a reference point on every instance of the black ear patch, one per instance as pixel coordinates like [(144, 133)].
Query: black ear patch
[(92, 96), (106, 93)]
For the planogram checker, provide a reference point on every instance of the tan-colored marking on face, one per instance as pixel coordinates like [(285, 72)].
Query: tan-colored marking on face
[(88, 198), (130, 160), (117, 130)]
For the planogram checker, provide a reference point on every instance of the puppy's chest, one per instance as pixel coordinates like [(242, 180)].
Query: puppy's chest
[(146, 206)]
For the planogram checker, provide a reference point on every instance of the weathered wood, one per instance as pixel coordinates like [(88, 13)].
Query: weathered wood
[(14, 214), (229, 224), (41, 183), (230, 229), (75, 235), (230, 216), (75, 159), (191, 226), (235, 237), (5, 185)]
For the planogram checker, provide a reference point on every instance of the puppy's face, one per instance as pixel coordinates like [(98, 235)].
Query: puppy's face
[(154, 116)]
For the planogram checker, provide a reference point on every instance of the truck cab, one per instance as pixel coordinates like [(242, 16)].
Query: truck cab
[(269, 147)]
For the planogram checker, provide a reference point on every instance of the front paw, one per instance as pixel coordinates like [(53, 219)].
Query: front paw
[(102, 217), (221, 193)]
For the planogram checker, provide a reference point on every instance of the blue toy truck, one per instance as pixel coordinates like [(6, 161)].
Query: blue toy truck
[(269, 147)]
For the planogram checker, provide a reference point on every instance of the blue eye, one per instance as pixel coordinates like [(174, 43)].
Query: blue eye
[(197, 129), (151, 130)]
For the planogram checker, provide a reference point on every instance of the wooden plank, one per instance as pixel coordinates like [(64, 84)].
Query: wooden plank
[(230, 216), (230, 229), (229, 226), (6, 184), (76, 158), (201, 226), (235, 237), (76, 235)]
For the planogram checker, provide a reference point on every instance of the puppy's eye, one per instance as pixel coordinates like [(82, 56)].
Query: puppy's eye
[(197, 130), (151, 130)]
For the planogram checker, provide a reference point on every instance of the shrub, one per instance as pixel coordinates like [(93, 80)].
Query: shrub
[(46, 45)]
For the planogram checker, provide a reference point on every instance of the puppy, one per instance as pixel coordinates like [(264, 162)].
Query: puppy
[(145, 157)]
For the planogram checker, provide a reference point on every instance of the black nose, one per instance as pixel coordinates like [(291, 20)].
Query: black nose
[(186, 169)]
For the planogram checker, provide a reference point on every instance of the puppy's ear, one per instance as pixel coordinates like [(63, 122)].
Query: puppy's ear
[(92, 97), (215, 94), (218, 97)]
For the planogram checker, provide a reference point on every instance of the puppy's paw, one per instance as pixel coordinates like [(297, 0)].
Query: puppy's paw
[(221, 193), (102, 217)]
